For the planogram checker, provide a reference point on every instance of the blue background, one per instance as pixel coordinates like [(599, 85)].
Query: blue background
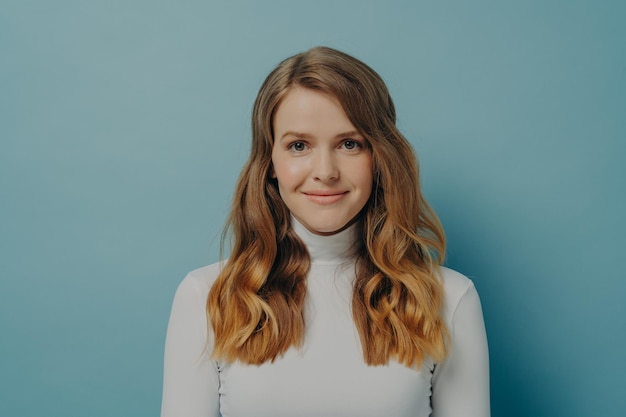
[(124, 125)]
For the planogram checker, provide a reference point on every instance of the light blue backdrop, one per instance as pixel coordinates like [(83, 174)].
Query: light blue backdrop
[(124, 125)]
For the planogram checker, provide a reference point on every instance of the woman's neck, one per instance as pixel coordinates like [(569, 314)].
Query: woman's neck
[(337, 247)]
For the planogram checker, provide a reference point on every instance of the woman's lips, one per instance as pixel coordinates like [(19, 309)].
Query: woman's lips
[(325, 197)]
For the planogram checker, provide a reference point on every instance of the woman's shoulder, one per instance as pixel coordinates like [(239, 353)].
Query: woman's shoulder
[(456, 287), (201, 279), (454, 281)]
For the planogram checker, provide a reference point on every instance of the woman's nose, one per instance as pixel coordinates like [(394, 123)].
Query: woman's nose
[(325, 167)]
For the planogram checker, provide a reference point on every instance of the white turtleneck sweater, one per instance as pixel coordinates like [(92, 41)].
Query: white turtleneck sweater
[(327, 376)]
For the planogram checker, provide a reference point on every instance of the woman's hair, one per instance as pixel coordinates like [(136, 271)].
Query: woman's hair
[(256, 305)]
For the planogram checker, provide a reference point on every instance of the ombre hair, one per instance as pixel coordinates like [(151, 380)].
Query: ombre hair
[(256, 306)]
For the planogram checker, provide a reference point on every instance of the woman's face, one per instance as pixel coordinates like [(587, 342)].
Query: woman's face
[(322, 164)]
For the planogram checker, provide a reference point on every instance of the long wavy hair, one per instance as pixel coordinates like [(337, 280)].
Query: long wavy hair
[(256, 305)]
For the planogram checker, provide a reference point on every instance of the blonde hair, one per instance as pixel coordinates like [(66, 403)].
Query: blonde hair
[(256, 305)]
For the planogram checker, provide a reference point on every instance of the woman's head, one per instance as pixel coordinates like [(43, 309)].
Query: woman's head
[(366, 102)]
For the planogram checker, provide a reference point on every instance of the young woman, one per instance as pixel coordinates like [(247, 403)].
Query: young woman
[(333, 301)]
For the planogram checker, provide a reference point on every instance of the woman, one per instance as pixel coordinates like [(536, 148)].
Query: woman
[(333, 301)]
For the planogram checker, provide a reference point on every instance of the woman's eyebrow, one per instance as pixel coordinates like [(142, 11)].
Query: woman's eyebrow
[(350, 133), (297, 135)]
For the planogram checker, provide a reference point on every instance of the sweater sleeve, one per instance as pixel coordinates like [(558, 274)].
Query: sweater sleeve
[(460, 385), (190, 378)]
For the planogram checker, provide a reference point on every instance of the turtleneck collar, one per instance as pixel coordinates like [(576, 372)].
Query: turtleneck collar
[(335, 248)]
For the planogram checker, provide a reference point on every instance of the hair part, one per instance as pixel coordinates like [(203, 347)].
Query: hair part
[(256, 305)]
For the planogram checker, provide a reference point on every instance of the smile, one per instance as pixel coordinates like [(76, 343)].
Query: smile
[(325, 197)]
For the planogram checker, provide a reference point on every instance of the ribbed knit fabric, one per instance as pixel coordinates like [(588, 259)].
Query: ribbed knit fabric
[(327, 377)]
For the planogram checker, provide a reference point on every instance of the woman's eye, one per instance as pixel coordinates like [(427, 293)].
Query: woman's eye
[(297, 146), (351, 144)]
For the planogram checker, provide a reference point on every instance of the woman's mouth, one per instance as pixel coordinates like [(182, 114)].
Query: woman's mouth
[(325, 197)]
